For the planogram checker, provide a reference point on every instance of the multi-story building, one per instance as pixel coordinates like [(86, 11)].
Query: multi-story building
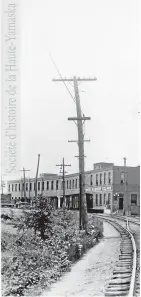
[(104, 185)]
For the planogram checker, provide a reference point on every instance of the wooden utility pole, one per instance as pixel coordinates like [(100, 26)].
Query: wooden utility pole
[(125, 187), (24, 170), (80, 119), (2, 185), (42, 186), (63, 165), (37, 176)]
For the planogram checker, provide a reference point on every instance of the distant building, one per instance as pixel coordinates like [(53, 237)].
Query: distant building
[(5, 200), (104, 185)]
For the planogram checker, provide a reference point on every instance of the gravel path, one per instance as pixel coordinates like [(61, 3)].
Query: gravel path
[(91, 275)]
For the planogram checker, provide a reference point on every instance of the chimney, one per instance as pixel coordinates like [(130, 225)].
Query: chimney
[(124, 162)]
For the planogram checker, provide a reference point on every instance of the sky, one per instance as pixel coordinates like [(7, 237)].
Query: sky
[(93, 38)]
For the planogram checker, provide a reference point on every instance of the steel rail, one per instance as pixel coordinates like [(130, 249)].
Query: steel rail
[(133, 274), (133, 277)]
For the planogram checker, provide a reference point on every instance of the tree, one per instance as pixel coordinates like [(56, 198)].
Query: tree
[(39, 217)]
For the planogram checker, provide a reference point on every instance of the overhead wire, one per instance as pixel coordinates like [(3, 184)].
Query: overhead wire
[(66, 87)]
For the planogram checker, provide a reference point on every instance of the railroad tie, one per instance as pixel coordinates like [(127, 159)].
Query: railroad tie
[(116, 293), (118, 288), (121, 275), (121, 269), (120, 281)]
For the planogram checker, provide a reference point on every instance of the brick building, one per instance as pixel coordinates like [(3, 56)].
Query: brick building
[(104, 185)]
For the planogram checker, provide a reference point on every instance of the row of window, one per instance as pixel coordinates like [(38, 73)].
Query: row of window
[(103, 178), (98, 199), (41, 186), (31, 186)]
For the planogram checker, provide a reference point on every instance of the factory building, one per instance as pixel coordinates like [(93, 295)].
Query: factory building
[(108, 188)]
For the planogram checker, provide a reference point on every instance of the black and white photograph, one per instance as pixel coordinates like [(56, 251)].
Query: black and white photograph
[(70, 148)]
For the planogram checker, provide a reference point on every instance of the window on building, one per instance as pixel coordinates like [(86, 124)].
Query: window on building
[(15, 187), (109, 177), (104, 198), (26, 186), (12, 187), (67, 184), (134, 199), (97, 179), (104, 178), (52, 184), (19, 187), (96, 200), (76, 183), (73, 183), (34, 186), (70, 183), (100, 178), (38, 186), (109, 198), (12, 197), (19, 198), (47, 185), (57, 185), (23, 187), (122, 178), (100, 199), (91, 180), (30, 186), (42, 185), (8, 188)]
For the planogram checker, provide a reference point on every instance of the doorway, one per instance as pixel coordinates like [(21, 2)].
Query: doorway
[(120, 202)]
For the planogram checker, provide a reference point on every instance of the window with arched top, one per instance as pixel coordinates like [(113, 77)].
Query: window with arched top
[(96, 179), (42, 185), (96, 199), (100, 202), (91, 180), (26, 186), (52, 185), (104, 198), (109, 198), (47, 185), (104, 178), (38, 186), (67, 184), (109, 178), (57, 184), (73, 183), (100, 178)]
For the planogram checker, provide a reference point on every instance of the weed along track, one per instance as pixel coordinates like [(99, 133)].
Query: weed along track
[(123, 279)]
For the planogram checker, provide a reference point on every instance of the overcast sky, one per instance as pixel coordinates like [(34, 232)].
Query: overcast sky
[(86, 38)]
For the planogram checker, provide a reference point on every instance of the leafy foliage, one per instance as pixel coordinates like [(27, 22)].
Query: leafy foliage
[(28, 259)]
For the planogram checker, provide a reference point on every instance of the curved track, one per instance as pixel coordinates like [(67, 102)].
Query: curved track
[(125, 279)]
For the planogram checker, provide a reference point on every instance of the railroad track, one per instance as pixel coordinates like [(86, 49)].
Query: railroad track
[(135, 229), (125, 280)]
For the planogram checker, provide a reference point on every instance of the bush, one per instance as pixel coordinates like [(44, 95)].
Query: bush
[(28, 259)]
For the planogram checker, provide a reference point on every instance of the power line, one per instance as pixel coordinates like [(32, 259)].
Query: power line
[(61, 78)]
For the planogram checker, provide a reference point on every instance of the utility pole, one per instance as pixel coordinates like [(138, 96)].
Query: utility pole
[(42, 186), (80, 120), (29, 189), (63, 165), (37, 176), (24, 170), (2, 185), (125, 187)]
